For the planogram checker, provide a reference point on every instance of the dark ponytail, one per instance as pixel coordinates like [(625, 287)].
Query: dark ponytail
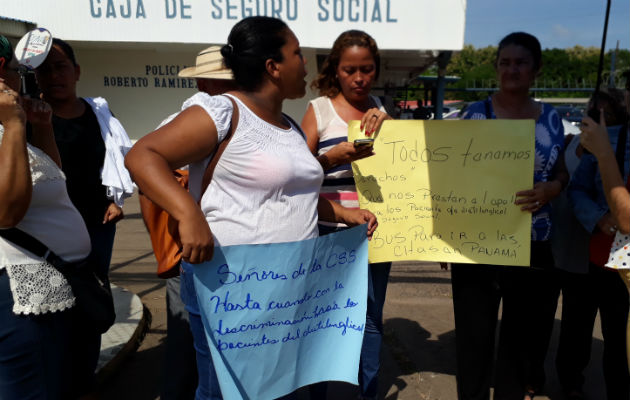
[(251, 42)]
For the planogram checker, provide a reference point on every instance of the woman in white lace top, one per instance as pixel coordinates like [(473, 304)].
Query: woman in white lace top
[(265, 187), (36, 332)]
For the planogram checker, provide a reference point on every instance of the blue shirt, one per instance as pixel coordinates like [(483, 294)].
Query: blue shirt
[(586, 191), (549, 146)]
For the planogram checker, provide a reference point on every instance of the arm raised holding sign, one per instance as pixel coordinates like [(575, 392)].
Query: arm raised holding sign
[(595, 138), (595, 189)]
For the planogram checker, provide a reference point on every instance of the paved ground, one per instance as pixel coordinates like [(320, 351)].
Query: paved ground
[(126, 333), (419, 352)]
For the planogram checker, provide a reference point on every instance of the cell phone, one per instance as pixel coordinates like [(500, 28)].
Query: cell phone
[(364, 142)]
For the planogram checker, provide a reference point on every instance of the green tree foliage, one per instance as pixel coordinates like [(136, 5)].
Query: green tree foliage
[(574, 67)]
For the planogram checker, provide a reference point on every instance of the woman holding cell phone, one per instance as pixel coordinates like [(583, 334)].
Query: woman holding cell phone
[(344, 86)]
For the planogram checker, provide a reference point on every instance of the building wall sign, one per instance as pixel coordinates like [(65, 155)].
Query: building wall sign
[(142, 86), (155, 76), (395, 24)]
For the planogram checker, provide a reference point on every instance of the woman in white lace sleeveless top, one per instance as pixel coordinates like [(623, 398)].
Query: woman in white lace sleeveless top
[(37, 356), (344, 86), (265, 187)]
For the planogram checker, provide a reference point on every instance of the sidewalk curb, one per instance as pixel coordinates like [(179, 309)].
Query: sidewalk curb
[(122, 353)]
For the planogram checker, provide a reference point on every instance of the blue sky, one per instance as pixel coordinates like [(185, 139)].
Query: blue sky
[(556, 23)]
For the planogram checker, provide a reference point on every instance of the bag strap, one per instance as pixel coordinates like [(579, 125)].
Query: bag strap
[(486, 104), (30, 243), (620, 153), (295, 124), (207, 175)]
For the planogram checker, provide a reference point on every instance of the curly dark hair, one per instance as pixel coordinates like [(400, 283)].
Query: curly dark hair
[(327, 82)]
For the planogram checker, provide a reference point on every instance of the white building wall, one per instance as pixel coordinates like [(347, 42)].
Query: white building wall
[(124, 46), (142, 86), (395, 24)]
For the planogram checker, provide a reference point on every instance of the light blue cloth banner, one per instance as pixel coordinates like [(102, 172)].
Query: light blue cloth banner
[(285, 315)]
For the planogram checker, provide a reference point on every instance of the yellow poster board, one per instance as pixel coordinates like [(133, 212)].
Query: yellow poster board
[(445, 190)]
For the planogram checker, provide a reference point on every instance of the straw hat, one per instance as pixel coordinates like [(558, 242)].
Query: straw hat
[(209, 65)]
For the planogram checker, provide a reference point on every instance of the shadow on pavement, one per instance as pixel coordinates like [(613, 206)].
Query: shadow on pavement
[(138, 380), (424, 355), (120, 265)]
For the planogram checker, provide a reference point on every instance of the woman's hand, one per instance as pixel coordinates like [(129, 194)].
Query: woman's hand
[(358, 216), (344, 153), (113, 214), (11, 110), (607, 224), (372, 120), (196, 238), (38, 112), (594, 136), (534, 199)]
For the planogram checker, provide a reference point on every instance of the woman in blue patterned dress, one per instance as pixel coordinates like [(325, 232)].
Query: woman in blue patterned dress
[(529, 294)]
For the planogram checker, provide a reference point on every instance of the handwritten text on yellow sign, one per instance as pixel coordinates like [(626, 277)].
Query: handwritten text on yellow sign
[(445, 190)]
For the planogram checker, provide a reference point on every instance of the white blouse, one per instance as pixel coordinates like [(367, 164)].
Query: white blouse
[(266, 184), (332, 130), (37, 287)]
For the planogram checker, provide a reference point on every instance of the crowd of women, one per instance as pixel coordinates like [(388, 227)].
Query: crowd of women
[(277, 181)]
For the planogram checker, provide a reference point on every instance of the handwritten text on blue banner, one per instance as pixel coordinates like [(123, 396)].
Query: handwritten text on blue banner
[(282, 316)]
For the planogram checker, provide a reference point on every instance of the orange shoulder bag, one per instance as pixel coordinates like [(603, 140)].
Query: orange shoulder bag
[(162, 227)]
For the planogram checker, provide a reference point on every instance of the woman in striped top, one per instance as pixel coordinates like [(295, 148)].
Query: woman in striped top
[(344, 87)]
